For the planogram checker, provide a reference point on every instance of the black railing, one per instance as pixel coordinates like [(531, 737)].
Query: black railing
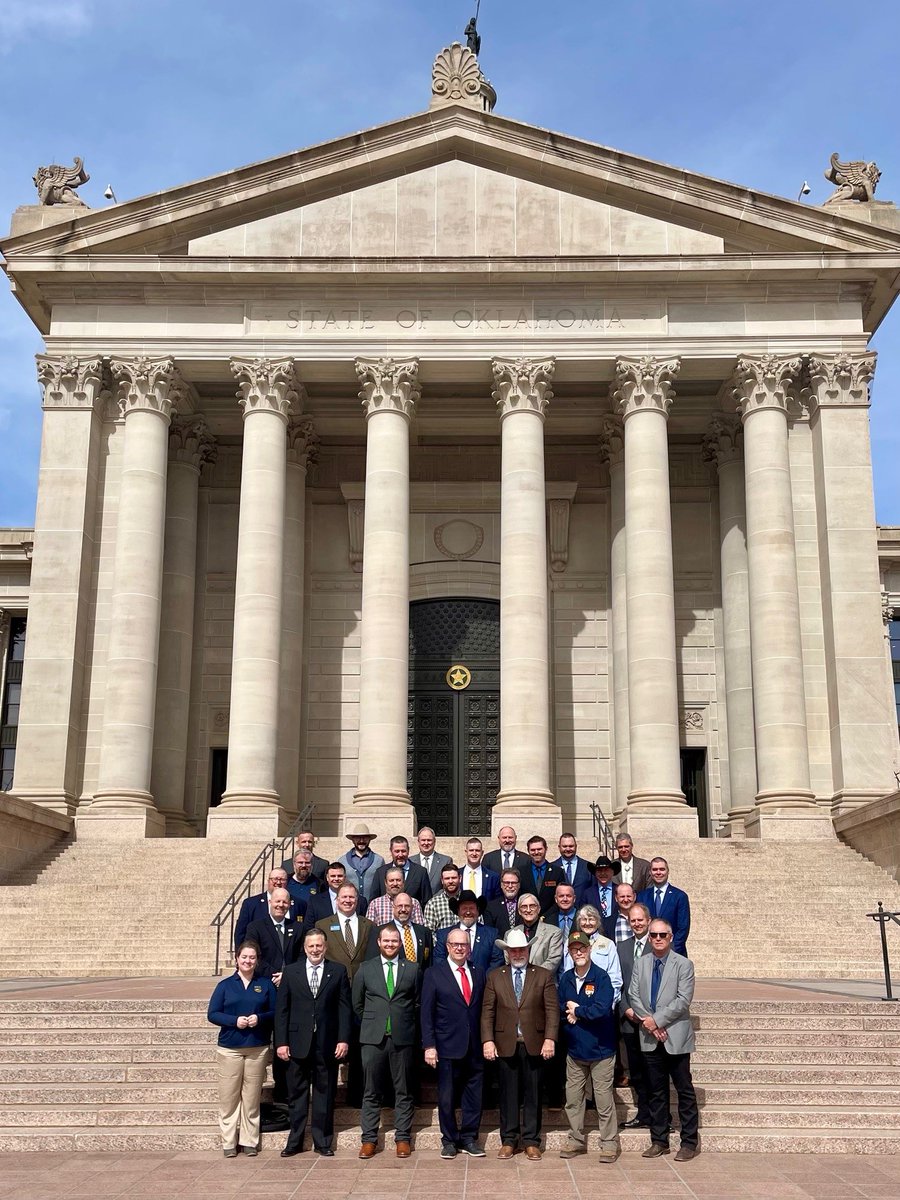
[(606, 839), (882, 918), (254, 880)]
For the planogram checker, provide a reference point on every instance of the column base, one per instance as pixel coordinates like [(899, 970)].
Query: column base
[(388, 812), (247, 816), (120, 816), (659, 816), (850, 799), (530, 813), (735, 823), (57, 801), (788, 816)]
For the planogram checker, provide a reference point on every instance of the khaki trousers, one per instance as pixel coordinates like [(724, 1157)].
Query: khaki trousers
[(601, 1075), (241, 1076)]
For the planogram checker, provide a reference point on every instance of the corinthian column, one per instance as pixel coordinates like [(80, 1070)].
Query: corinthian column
[(267, 392), (302, 445), (389, 393), (46, 769), (522, 392), (612, 450), (190, 446), (123, 804), (863, 727), (785, 806), (656, 804), (723, 444)]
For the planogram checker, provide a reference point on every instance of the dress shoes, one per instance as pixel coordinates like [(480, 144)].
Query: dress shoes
[(608, 1156), (686, 1153), (533, 1153), (634, 1123), (290, 1151), (368, 1150), (473, 1150), (404, 1149), (655, 1150), (573, 1149), (324, 1151), (506, 1151)]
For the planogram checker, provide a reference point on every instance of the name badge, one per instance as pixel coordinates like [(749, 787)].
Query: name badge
[(335, 928), (257, 988)]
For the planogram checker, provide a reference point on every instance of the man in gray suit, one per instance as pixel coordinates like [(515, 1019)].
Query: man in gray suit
[(660, 993), (428, 858), (386, 994)]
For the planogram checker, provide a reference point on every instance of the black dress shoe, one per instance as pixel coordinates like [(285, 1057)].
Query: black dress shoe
[(324, 1151), (634, 1123), (290, 1151)]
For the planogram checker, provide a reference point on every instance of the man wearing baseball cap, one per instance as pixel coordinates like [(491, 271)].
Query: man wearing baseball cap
[(586, 1002)]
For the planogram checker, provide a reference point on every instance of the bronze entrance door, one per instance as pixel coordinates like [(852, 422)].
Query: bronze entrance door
[(453, 762)]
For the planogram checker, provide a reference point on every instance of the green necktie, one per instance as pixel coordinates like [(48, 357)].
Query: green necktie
[(390, 992)]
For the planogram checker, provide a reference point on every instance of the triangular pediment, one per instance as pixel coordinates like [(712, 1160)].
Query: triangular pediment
[(590, 199)]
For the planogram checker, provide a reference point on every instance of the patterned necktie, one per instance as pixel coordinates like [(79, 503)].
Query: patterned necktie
[(409, 946), (314, 982), (604, 904), (466, 986), (638, 949), (349, 940), (517, 984), (655, 982)]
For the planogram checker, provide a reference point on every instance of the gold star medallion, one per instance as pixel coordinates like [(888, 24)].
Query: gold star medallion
[(458, 677)]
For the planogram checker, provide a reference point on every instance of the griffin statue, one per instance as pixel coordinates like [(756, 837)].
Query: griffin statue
[(855, 180), (56, 185)]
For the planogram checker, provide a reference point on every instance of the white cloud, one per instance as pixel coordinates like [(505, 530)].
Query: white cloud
[(20, 18)]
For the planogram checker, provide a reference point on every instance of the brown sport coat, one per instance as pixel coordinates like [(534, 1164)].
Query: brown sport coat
[(336, 948), (538, 1014)]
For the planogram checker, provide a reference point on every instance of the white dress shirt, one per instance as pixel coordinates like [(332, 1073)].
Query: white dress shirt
[(456, 974), (468, 873), (354, 926), (626, 871), (390, 962)]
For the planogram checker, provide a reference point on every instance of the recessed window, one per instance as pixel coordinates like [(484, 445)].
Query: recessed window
[(11, 699)]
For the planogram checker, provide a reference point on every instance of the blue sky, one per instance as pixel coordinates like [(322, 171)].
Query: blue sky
[(152, 94)]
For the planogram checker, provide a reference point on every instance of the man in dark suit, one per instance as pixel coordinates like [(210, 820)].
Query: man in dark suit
[(255, 908), (502, 913), (386, 994), (452, 994), (669, 903), (313, 1020), (507, 856), (428, 858), (306, 840), (415, 881), (278, 937), (416, 941), (631, 951), (476, 877), (324, 903), (578, 871), (483, 949), (519, 997), (600, 893), (628, 868), (544, 878)]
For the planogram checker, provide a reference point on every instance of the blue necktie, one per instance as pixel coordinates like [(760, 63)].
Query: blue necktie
[(658, 900), (569, 873), (655, 982)]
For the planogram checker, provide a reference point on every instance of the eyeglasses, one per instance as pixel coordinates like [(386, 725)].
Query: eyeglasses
[(660, 935)]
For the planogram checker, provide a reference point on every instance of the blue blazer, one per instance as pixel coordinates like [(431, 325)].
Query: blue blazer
[(593, 1036), (486, 954), (448, 1023), (582, 877), (490, 881), (676, 909), (592, 896)]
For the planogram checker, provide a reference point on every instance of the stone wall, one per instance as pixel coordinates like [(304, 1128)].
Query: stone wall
[(26, 831), (874, 830)]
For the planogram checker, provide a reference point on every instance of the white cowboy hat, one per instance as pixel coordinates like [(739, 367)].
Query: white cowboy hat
[(361, 831), (516, 939)]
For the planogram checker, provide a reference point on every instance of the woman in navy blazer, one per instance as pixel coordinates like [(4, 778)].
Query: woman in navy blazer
[(243, 1006)]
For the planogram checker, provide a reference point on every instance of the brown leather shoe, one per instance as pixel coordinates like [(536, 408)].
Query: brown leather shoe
[(533, 1153), (655, 1150), (368, 1150), (573, 1149), (506, 1151), (404, 1149), (686, 1153), (608, 1156)]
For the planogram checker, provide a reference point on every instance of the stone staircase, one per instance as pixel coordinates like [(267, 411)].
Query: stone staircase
[(784, 910), (133, 1075)]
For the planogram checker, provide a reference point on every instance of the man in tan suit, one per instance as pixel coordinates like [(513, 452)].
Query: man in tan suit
[(519, 1026), (348, 941)]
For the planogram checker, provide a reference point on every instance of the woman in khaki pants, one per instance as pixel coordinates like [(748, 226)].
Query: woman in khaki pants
[(243, 1006)]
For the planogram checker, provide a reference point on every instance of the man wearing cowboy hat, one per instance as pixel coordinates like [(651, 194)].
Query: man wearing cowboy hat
[(519, 1026), (546, 941), (483, 949), (361, 862)]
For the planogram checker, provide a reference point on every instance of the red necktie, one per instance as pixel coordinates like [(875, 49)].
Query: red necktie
[(466, 986)]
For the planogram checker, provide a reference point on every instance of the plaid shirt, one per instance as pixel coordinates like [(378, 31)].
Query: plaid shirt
[(381, 912), (438, 914)]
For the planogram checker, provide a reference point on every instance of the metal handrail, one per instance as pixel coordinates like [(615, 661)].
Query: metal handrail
[(606, 839), (271, 855), (882, 918)]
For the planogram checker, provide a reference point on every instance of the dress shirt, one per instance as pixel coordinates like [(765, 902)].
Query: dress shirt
[(569, 866), (412, 934), (438, 913), (425, 863), (662, 894), (623, 929), (508, 860), (381, 912), (579, 980), (468, 885), (309, 973), (537, 874), (626, 871), (354, 926), (456, 974), (566, 921), (640, 947), (389, 962), (471, 930)]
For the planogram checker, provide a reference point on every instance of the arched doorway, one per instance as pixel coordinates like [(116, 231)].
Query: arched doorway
[(453, 761)]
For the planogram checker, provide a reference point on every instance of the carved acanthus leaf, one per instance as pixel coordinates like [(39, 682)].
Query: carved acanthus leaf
[(612, 439), (723, 441), (644, 383), (72, 382), (302, 442), (523, 384), (267, 385), (765, 381), (388, 385), (147, 385), (839, 380), (191, 442)]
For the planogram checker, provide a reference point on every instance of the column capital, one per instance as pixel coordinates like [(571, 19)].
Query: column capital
[(191, 442), (839, 380), (267, 385), (72, 381), (764, 381), (147, 385), (388, 385), (522, 384), (644, 384), (612, 440), (723, 441), (302, 442)]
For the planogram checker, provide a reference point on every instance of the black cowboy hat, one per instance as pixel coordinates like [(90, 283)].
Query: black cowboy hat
[(456, 901)]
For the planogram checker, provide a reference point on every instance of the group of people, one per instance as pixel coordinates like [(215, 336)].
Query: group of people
[(514, 978)]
